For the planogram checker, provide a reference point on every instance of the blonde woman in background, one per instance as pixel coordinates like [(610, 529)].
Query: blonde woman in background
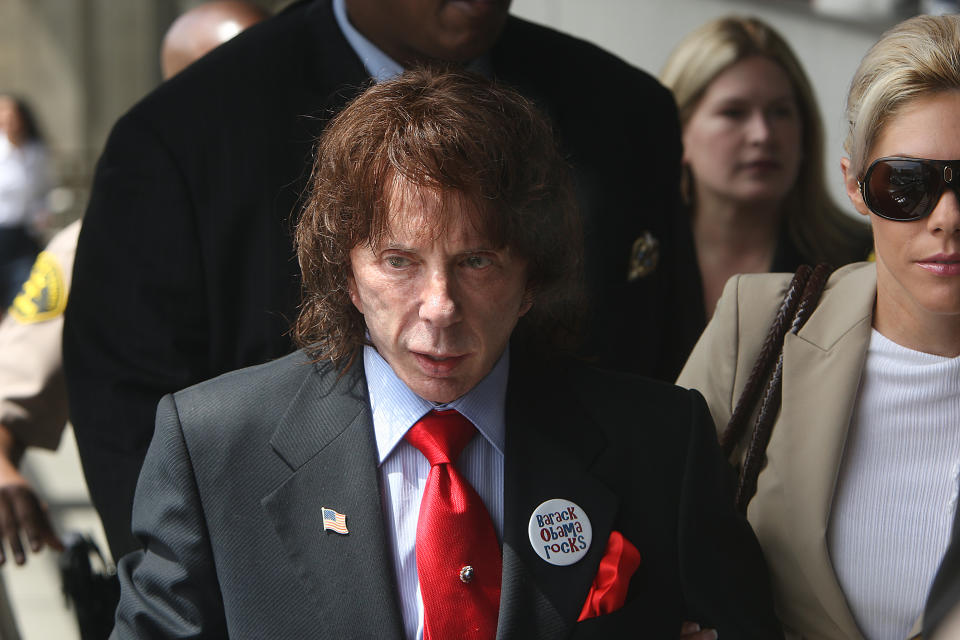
[(753, 157), (855, 503)]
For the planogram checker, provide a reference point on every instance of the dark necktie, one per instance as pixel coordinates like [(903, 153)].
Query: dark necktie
[(458, 557)]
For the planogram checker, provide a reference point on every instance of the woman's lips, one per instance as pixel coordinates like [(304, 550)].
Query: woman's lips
[(762, 165), (942, 264)]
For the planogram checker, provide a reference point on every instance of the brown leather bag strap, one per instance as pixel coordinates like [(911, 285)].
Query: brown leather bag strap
[(772, 345), (770, 404)]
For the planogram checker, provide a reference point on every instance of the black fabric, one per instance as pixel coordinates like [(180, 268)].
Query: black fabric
[(185, 267), (787, 257), (228, 508), (18, 250), (91, 587), (944, 596)]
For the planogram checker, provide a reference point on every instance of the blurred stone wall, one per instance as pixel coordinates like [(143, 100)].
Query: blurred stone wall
[(80, 64)]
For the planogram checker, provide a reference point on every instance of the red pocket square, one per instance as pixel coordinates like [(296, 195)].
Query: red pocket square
[(609, 589)]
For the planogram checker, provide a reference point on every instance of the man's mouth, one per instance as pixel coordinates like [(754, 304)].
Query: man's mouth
[(438, 365)]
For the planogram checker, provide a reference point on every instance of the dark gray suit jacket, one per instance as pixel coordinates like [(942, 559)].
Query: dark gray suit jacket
[(228, 510)]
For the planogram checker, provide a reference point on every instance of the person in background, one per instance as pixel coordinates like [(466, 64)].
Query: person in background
[(753, 169), (440, 220), (855, 500), (210, 167), (24, 182), (33, 403), (33, 394), (203, 28)]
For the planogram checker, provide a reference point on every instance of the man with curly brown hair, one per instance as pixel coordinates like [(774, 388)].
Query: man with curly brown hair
[(210, 169), (429, 465)]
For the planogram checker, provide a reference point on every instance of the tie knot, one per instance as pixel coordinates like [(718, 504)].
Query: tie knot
[(441, 436)]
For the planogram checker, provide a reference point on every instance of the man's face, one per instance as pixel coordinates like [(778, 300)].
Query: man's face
[(440, 310), (412, 31)]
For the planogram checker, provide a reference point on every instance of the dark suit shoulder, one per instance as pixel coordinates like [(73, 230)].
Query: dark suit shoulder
[(285, 67), (627, 409), (262, 46), (643, 421), (576, 67), (621, 393), (247, 395), (566, 53)]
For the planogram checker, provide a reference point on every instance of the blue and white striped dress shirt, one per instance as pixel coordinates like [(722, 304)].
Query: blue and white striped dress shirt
[(404, 470)]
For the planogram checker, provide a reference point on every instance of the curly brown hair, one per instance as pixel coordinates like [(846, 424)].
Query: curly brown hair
[(454, 133)]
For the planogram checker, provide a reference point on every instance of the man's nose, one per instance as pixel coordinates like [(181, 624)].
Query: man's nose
[(438, 305)]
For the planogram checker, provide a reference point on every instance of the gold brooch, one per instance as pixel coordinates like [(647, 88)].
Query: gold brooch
[(644, 256)]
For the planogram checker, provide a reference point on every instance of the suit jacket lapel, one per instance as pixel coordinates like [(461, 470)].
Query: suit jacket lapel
[(326, 437), (548, 454), (821, 373)]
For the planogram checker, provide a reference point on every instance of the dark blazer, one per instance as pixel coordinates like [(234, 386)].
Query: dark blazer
[(944, 597), (228, 510), (185, 267)]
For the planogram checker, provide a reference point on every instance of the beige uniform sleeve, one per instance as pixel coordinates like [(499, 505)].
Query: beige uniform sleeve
[(33, 396)]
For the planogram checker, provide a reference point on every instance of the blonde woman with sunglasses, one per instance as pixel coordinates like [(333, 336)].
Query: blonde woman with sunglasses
[(855, 502)]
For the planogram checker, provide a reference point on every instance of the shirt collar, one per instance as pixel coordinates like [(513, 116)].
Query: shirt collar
[(379, 65), (396, 408)]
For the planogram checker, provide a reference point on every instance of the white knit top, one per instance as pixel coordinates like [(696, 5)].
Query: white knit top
[(897, 486)]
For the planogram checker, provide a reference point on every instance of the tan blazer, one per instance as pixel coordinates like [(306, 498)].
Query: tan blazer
[(821, 374)]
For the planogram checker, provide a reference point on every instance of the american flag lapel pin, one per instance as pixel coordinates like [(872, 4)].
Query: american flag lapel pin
[(334, 521)]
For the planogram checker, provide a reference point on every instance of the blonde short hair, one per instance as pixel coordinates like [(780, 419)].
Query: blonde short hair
[(817, 226), (918, 57)]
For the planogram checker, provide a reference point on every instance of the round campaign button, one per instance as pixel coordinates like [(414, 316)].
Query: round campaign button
[(560, 531)]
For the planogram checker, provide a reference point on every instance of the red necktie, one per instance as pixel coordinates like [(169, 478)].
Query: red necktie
[(458, 556)]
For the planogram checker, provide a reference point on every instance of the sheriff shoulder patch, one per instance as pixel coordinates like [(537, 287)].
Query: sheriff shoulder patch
[(43, 295)]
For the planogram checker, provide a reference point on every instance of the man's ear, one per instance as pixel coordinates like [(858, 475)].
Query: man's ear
[(527, 301), (852, 187), (352, 289)]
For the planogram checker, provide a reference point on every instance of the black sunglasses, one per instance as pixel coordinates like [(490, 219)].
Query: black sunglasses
[(905, 189)]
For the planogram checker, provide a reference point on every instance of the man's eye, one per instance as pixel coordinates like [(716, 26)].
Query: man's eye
[(397, 262), (478, 262)]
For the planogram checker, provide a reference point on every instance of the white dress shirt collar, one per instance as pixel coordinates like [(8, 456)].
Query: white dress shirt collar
[(396, 408)]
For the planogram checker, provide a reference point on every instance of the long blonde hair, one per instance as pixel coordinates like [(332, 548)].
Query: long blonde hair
[(819, 229)]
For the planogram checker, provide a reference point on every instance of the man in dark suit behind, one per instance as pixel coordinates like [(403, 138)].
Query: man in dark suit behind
[(319, 495), (185, 266)]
